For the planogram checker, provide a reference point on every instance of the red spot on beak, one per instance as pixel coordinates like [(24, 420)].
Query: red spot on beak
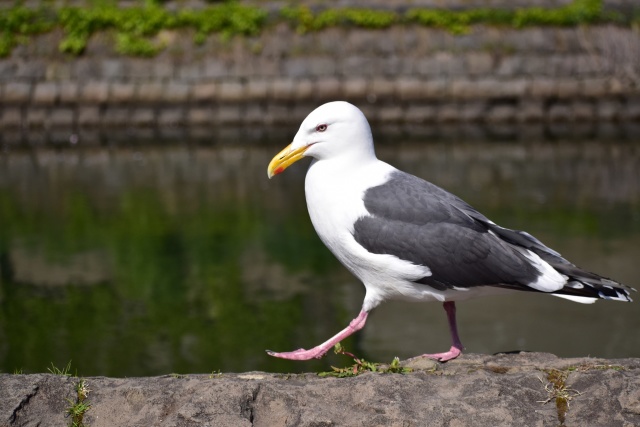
[(278, 170)]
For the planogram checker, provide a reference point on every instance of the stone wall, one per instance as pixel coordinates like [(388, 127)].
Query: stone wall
[(402, 75)]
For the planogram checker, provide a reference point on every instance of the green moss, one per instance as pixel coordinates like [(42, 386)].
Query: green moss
[(136, 27)]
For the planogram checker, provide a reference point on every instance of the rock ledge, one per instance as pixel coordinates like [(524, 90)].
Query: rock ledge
[(528, 389)]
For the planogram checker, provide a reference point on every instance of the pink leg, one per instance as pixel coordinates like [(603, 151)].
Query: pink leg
[(319, 351), (456, 347)]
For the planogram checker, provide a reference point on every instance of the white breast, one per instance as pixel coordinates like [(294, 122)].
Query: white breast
[(334, 193)]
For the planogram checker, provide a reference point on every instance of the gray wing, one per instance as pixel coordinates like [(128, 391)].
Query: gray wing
[(420, 222), (426, 225)]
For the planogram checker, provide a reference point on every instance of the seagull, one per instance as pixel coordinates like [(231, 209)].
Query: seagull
[(408, 239)]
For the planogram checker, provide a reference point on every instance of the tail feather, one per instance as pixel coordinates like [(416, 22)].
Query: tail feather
[(581, 285)]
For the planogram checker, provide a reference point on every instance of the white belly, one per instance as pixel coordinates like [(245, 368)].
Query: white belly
[(334, 199)]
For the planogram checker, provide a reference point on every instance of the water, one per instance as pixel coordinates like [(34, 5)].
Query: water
[(143, 259)]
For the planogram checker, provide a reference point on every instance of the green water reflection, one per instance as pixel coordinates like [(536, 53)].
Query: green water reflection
[(151, 260)]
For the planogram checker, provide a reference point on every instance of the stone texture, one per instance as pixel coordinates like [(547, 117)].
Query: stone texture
[(16, 92), (406, 66), (11, 117), (94, 92), (120, 93), (44, 93), (500, 390)]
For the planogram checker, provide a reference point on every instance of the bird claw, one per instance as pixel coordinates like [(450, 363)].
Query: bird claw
[(442, 357), (299, 354)]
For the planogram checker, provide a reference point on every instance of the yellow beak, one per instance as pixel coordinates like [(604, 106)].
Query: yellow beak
[(284, 159)]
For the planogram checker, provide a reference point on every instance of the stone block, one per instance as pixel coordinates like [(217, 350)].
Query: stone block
[(559, 112), (631, 111), (409, 89), (57, 71), (116, 116), (89, 115), (62, 117), (416, 113), (204, 92), (199, 115), (463, 89), (535, 66), (501, 113), (85, 69), (254, 113), (479, 63), (435, 88), (354, 88), (11, 117), (608, 110), (95, 92), (530, 111), (583, 111), (278, 114), (390, 114), (296, 67), (16, 93), (448, 113), (514, 88), (542, 87), (215, 68), (473, 111), (282, 89), (69, 91), (393, 66), (328, 88), (189, 72), (150, 92), (176, 92), (567, 88), (303, 90), (32, 69), (121, 93), (142, 116), (444, 64), (8, 69), (509, 66), (163, 69), (44, 93), (594, 87), (229, 114), (230, 91), (37, 117), (140, 69), (382, 88), (357, 65), (114, 69), (323, 66), (171, 117)]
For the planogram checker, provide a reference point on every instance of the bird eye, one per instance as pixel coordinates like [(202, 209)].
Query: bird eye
[(321, 128)]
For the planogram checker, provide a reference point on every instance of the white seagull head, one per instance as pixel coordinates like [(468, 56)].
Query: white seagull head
[(333, 130)]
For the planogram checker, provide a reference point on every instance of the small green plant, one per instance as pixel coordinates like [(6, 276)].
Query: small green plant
[(66, 371), (559, 392), (136, 27), (361, 366), (17, 371), (79, 406), (215, 374)]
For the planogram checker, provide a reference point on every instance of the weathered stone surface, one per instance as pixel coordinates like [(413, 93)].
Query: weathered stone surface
[(16, 92), (45, 93), (405, 65), (500, 390)]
